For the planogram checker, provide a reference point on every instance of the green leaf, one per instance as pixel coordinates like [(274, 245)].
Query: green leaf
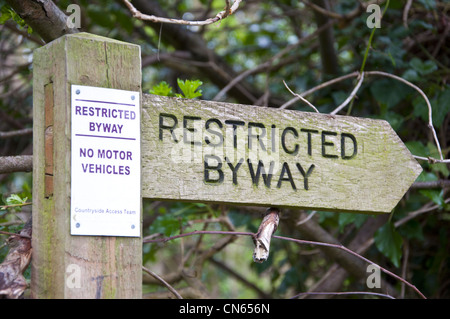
[(162, 88), (348, 218), (435, 195), (411, 75), (15, 199), (412, 230), (441, 107), (167, 224), (423, 67), (417, 148), (389, 92), (428, 4), (5, 14), (389, 243), (8, 13), (189, 88)]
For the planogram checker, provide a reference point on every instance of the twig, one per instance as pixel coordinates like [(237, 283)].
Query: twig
[(344, 77), (229, 10), (162, 281), (14, 234), (443, 183), (239, 78), (348, 16), (405, 13), (414, 214), (196, 232), (25, 131), (430, 117), (432, 160), (19, 163), (351, 96), (301, 98), (299, 241), (307, 218), (318, 87), (3, 207)]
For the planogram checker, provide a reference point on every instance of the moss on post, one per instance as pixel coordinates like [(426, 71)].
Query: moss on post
[(107, 267)]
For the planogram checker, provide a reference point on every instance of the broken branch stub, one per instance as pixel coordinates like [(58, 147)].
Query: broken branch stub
[(265, 231)]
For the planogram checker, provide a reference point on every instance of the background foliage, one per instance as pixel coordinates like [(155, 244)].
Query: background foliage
[(412, 43)]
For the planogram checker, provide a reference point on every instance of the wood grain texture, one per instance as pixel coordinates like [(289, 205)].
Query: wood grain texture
[(109, 267), (336, 163)]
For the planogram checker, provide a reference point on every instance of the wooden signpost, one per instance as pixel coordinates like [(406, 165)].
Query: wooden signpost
[(241, 154), (99, 142), (65, 265)]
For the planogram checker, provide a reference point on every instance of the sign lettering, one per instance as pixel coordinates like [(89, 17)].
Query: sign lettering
[(241, 154), (105, 162)]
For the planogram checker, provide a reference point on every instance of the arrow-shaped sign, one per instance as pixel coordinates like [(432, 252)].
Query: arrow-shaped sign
[(240, 154)]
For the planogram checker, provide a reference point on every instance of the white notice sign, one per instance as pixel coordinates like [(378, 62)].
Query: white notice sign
[(106, 162)]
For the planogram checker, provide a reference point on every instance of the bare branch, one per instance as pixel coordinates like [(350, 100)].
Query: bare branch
[(351, 96), (299, 241), (430, 117), (301, 98), (44, 17), (163, 281), (25, 131), (318, 87), (427, 101), (219, 16), (354, 254), (443, 183), (405, 13), (11, 164)]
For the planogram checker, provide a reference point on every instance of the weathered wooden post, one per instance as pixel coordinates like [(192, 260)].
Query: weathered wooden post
[(66, 265)]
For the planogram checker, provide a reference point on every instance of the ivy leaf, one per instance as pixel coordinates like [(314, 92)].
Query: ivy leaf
[(423, 67), (348, 218), (167, 224), (436, 196), (389, 243), (189, 88), (389, 92)]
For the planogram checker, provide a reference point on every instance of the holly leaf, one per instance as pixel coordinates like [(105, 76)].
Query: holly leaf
[(389, 243)]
